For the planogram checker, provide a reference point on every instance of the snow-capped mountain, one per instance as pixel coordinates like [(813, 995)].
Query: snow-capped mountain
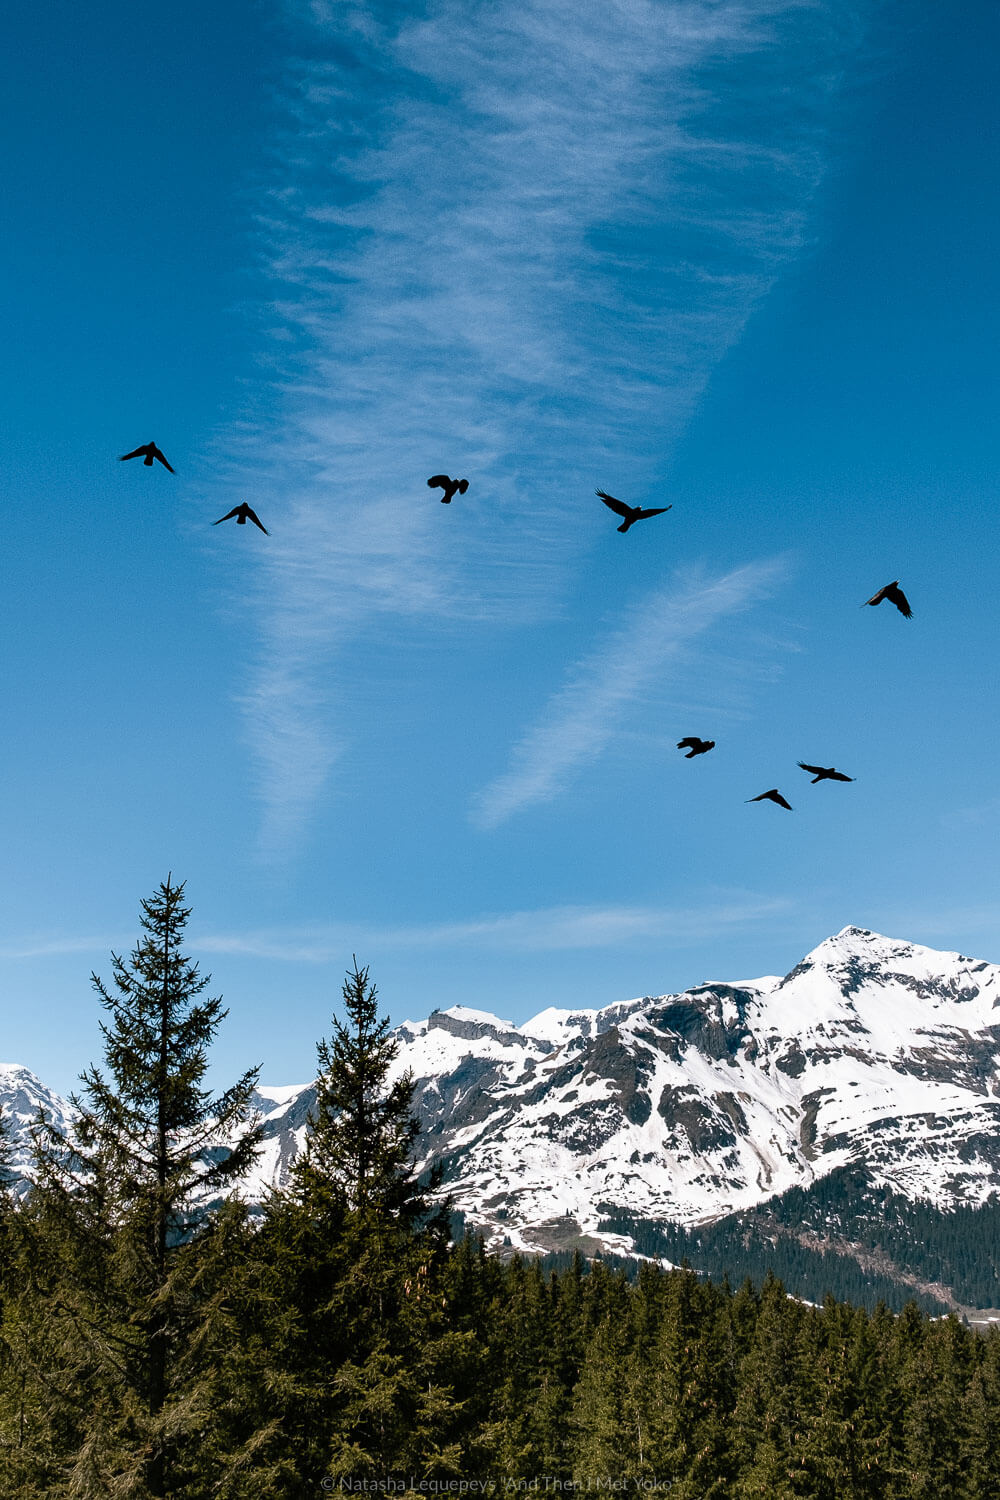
[(690, 1106), (22, 1095)]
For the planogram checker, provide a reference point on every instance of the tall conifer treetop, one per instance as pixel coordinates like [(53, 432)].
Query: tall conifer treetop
[(361, 1143), (152, 1121), (121, 1236)]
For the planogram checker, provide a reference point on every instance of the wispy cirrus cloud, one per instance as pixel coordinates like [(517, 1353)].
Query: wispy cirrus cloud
[(980, 815), (551, 928), (511, 241), (587, 712), (565, 927), (39, 946)]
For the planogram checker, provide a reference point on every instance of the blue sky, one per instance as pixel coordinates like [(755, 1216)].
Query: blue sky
[(736, 256)]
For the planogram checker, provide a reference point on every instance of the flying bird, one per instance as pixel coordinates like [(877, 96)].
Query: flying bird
[(895, 595), (451, 487), (147, 453), (772, 796), (824, 773), (632, 513), (243, 514), (695, 746)]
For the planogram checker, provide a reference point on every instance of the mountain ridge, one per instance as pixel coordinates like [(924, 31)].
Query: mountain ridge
[(691, 1107)]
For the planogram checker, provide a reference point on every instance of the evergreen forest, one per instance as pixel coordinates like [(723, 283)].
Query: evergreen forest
[(848, 1236), (159, 1340)]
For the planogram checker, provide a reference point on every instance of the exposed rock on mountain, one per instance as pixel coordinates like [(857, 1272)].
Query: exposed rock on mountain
[(689, 1107)]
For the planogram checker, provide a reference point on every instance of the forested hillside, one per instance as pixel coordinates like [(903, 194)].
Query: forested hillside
[(846, 1237)]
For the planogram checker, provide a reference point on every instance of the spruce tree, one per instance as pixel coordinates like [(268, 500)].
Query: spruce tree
[(19, 1473), (118, 1225), (936, 1414), (982, 1448), (359, 1375), (523, 1337), (604, 1420), (360, 1147), (765, 1418), (844, 1395), (686, 1392)]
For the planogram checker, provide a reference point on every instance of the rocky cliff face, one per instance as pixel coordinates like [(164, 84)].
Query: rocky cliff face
[(691, 1106)]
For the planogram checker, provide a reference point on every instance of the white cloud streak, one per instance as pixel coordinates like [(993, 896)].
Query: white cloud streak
[(981, 815), (49, 947), (585, 715), (556, 928), (510, 241), (552, 928)]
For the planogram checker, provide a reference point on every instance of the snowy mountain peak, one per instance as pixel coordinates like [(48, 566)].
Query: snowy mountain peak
[(873, 947), (692, 1105), (562, 1026), (22, 1094), (461, 1021)]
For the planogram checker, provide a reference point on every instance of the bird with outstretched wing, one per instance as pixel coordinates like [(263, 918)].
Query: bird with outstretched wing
[(824, 773), (631, 513), (694, 746), (147, 453), (895, 595), (772, 796), (243, 514)]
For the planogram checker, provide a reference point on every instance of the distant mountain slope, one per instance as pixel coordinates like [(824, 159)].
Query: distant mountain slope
[(682, 1109), (693, 1106), (844, 1236), (22, 1095)]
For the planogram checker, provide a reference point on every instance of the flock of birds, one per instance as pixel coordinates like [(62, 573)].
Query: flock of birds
[(630, 514), (691, 743), (243, 513), (695, 746)]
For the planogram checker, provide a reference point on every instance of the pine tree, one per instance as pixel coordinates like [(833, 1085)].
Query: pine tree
[(360, 1147), (602, 1420), (935, 1423), (765, 1418), (686, 1393), (981, 1456), (118, 1228), (353, 1359)]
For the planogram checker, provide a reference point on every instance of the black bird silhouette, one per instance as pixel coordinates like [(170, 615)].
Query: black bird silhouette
[(451, 487), (824, 773), (632, 513), (695, 746), (243, 514), (147, 453), (895, 595), (772, 796)]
